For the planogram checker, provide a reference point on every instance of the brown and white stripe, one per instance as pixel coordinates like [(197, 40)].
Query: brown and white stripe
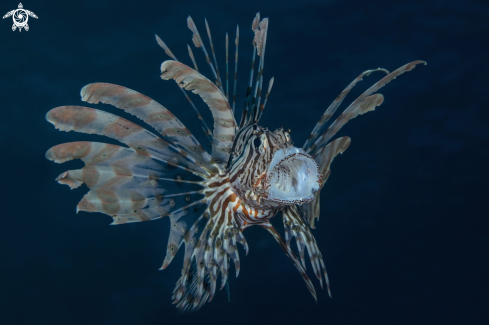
[(224, 123)]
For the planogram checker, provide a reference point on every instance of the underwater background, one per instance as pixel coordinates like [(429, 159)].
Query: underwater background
[(404, 226)]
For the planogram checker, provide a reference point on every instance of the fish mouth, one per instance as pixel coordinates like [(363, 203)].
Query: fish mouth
[(293, 177)]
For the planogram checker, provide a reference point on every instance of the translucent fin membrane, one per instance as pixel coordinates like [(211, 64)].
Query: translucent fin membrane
[(205, 127), (224, 123), (188, 155), (123, 184)]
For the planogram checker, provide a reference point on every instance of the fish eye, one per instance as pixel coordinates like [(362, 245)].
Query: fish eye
[(257, 142)]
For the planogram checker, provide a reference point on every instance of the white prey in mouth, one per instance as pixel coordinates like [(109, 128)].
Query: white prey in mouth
[(292, 177)]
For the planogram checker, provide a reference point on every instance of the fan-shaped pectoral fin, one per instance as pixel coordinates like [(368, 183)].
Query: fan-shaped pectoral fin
[(152, 113), (290, 254), (224, 123), (144, 142), (125, 185)]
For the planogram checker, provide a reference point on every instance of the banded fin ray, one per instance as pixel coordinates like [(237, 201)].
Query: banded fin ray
[(151, 112), (290, 254), (366, 102), (260, 41), (210, 246), (188, 301), (197, 40), (93, 121), (205, 127), (334, 105), (224, 123), (119, 161), (262, 108), (296, 227), (247, 106), (185, 224), (125, 185)]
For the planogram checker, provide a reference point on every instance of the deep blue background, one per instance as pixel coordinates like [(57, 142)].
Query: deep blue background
[(404, 219)]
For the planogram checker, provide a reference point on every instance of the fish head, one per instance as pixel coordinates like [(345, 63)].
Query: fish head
[(267, 171)]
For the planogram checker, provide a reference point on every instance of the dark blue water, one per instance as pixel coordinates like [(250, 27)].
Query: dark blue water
[(404, 221)]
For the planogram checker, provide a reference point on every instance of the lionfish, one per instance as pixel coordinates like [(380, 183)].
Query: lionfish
[(238, 176)]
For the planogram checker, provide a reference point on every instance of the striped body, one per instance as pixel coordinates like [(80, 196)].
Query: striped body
[(236, 176), (224, 199)]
